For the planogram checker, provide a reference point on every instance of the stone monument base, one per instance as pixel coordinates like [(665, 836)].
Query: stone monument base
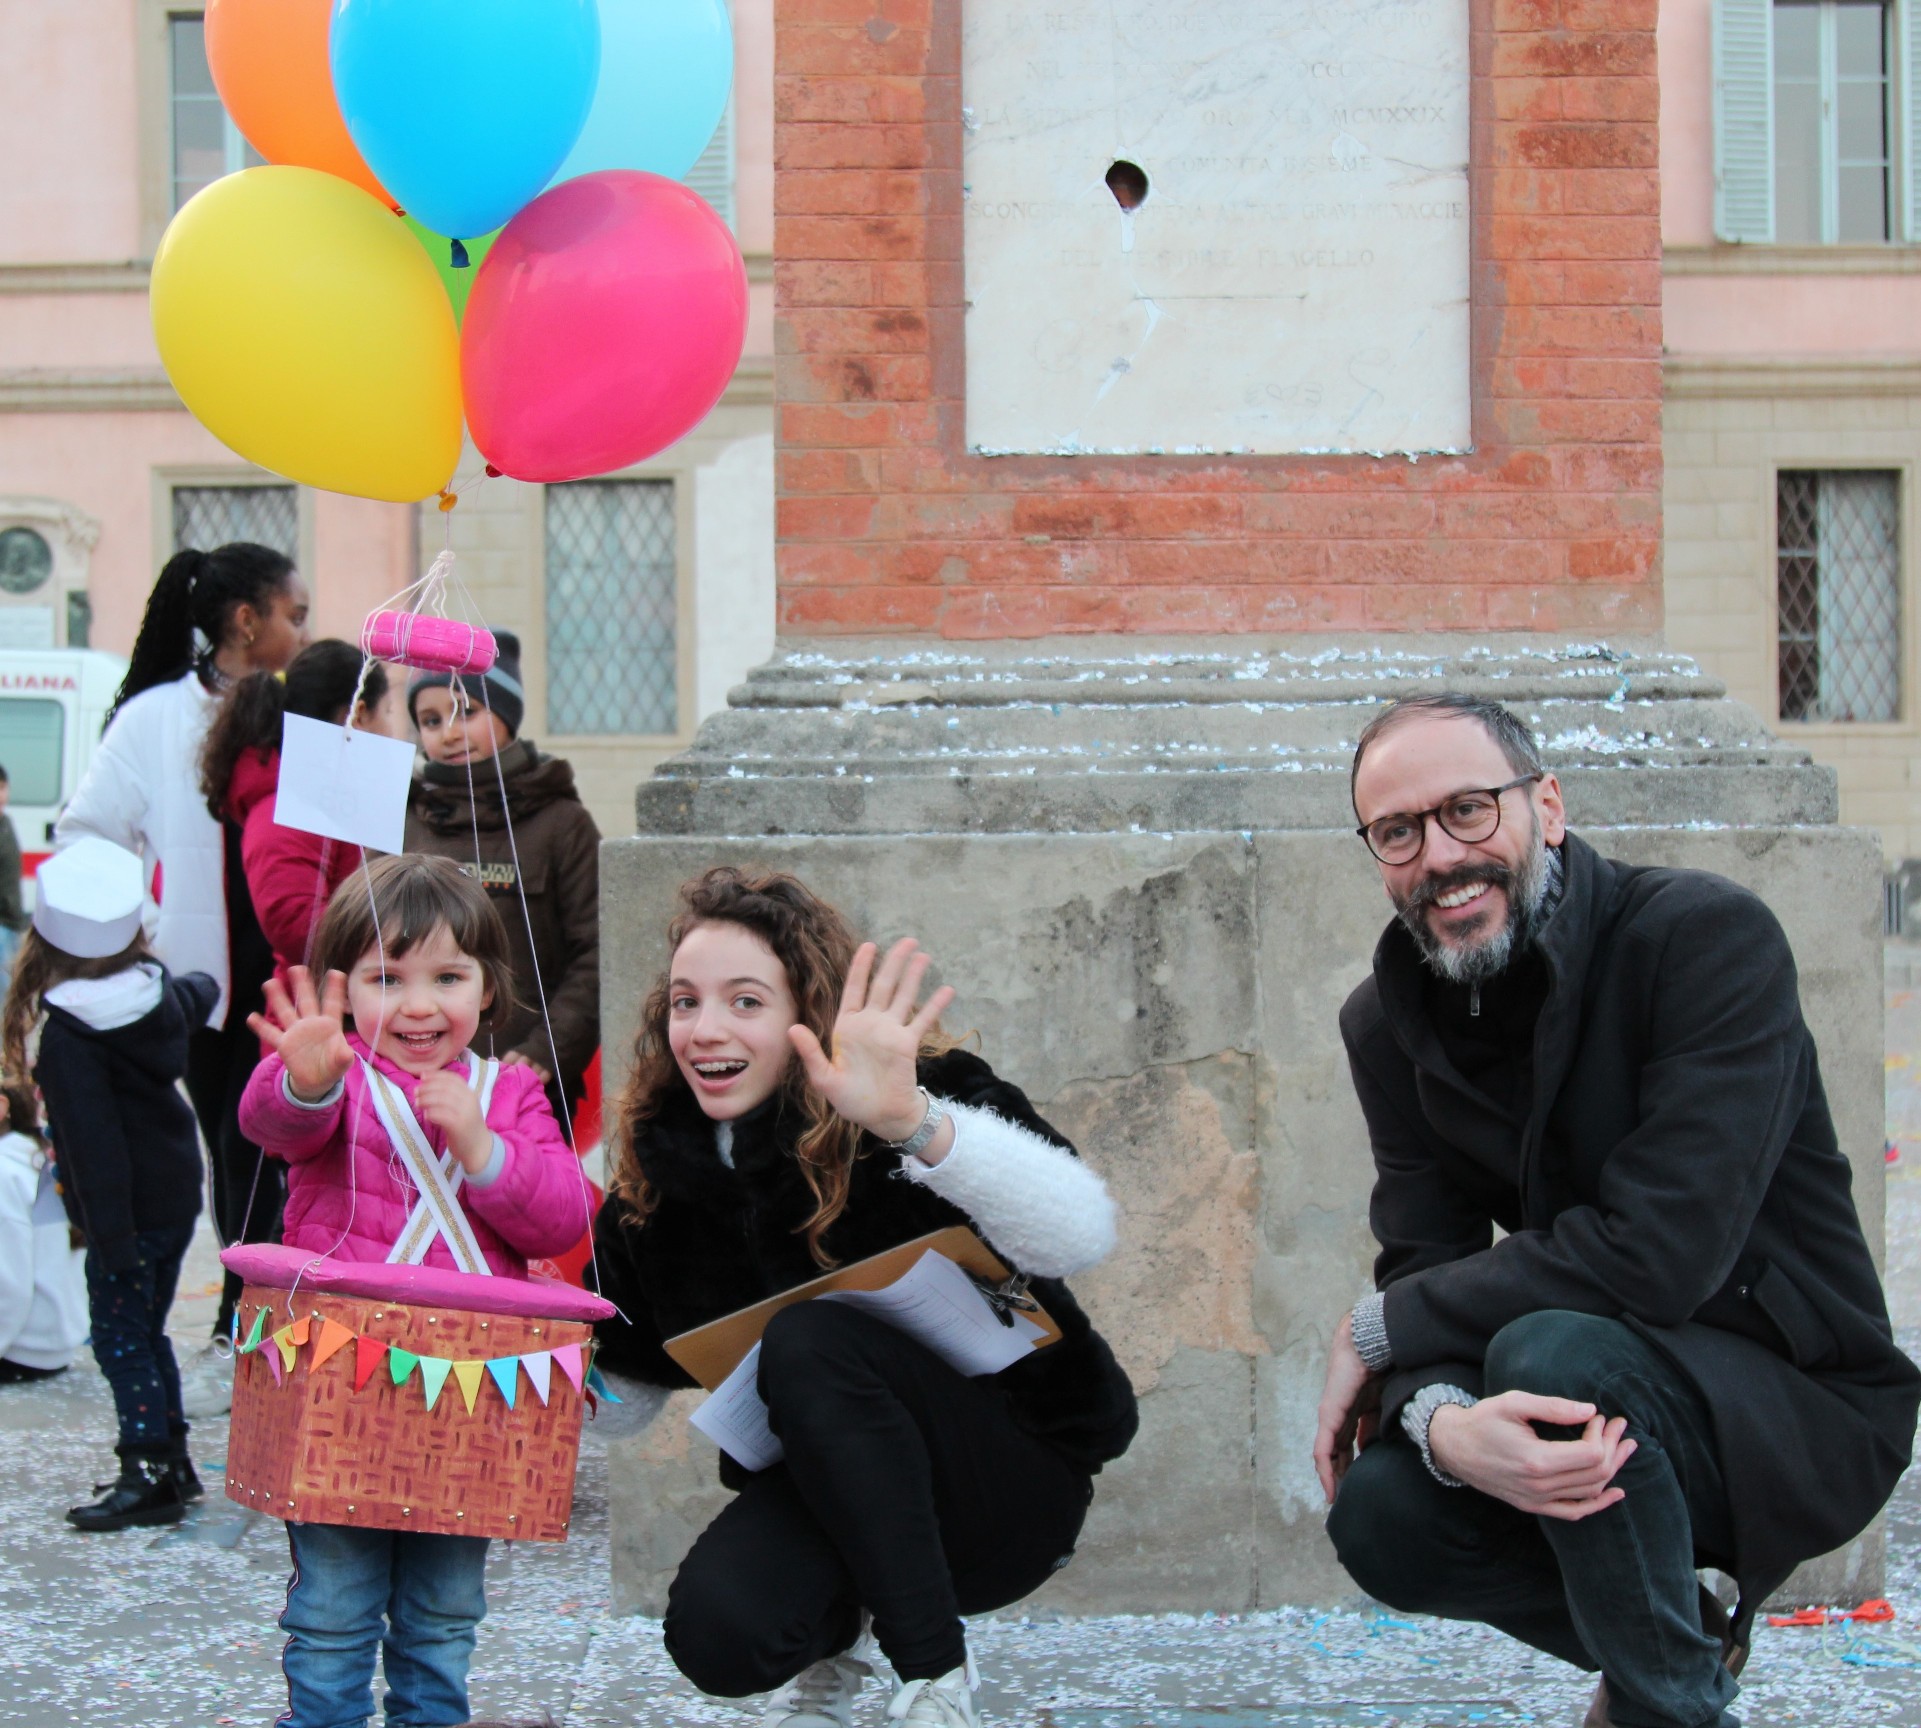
[(1135, 864)]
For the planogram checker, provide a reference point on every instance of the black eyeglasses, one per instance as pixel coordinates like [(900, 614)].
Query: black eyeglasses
[(1468, 816)]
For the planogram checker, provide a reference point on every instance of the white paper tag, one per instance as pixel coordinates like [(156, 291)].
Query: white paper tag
[(343, 785)]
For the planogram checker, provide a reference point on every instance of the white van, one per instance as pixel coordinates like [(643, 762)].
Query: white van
[(53, 707)]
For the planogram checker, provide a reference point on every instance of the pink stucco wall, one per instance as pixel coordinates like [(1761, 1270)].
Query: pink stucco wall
[(1776, 315), (70, 140)]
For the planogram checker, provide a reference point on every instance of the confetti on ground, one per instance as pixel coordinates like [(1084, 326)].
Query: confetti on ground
[(176, 1629)]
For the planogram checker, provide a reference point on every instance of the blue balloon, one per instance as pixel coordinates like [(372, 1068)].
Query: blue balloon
[(665, 69), (464, 108)]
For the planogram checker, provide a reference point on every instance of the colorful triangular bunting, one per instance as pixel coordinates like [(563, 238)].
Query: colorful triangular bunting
[(253, 1337), (299, 1330), (540, 1367), (283, 1341), (334, 1338), (400, 1363), (597, 1385), (506, 1373), (273, 1362), (367, 1355), (568, 1356), (433, 1376), (468, 1375)]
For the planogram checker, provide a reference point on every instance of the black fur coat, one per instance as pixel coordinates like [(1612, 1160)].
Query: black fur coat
[(720, 1239)]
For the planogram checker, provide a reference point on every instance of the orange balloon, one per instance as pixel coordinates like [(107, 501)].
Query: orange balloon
[(269, 60)]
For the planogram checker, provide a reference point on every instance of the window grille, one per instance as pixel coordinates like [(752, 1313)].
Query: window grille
[(613, 603), (208, 516), (206, 143), (1838, 594)]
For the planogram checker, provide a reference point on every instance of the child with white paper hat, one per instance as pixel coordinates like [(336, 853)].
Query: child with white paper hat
[(113, 1030)]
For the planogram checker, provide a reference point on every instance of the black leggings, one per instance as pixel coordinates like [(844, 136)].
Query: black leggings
[(249, 1188), (907, 1489)]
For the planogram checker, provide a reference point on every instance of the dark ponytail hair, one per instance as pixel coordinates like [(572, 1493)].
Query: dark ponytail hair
[(319, 683), (198, 591)]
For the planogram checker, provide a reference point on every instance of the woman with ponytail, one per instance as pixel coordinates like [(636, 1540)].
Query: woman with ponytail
[(213, 618)]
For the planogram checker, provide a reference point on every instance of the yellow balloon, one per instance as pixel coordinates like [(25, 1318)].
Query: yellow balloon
[(307, 330)]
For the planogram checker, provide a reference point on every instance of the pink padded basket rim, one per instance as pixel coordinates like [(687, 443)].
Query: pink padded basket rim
[(541, 1298)]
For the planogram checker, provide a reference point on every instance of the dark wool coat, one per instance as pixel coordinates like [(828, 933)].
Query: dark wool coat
[(553, 856), (1678, 1171), (123, 1133), (719, 1240)]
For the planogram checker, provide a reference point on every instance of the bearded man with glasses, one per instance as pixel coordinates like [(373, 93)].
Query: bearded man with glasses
[(1626, 1323)]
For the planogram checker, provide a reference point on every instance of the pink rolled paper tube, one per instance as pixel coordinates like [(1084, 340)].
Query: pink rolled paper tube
[(428, 644)]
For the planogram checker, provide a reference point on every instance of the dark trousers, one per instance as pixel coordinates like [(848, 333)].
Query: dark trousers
[(249, 1188), (907, 1490), (1615, 1590), (128, 1313)]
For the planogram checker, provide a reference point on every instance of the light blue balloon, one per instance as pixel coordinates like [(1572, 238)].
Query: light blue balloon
[(665, 69), (464, 108)]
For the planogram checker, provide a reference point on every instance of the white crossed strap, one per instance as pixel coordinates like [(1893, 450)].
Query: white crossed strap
[(438, 1211)]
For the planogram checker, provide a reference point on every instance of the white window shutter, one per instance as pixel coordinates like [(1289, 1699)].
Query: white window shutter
[(713, 175), (1907, 50), (1744, 120)]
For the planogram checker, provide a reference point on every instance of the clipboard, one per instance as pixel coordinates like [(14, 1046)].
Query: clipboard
[(711, 1352)]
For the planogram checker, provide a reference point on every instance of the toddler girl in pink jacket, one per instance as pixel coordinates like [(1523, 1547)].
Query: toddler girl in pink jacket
[(414, 960)]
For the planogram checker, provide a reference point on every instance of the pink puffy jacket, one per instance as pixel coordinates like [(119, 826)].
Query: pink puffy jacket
[(350, 1196)]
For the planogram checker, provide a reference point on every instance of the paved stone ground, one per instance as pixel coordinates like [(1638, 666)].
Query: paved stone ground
[(176, 1630)]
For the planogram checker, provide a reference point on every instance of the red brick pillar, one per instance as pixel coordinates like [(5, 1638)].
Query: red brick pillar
[(888, 527)]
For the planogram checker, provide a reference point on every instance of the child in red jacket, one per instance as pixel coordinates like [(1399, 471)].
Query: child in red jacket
[(291, 874)]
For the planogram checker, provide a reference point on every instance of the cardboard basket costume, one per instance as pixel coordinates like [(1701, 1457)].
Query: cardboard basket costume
[(398, 1397)]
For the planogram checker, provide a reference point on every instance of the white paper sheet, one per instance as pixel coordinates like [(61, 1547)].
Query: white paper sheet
[(735, 1419), (934, 1302), (344, 785)]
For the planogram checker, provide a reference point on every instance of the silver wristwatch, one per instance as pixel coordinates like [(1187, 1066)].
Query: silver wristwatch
[(916, 1142)]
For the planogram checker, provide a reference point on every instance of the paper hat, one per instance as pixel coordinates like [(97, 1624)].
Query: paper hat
[(87, 899)]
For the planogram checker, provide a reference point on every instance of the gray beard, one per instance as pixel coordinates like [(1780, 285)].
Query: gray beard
[(1478, 961)]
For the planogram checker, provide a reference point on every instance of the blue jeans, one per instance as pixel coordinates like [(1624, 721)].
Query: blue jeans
[(1616, 1590), (352, 1592), (127, 1312)]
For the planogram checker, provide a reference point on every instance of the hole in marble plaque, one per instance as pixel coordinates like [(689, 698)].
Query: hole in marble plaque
[(1128, 183)]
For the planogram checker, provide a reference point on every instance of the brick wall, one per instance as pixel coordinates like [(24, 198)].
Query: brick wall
[(888, 527)]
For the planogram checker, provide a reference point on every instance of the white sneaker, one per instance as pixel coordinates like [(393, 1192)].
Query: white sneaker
[(819, 1697), (944, 1703), (206, 1384)]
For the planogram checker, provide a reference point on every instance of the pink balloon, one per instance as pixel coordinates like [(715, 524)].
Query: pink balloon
[(604, 324)]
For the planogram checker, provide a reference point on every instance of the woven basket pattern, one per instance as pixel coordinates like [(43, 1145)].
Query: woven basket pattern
[(313, 1449)]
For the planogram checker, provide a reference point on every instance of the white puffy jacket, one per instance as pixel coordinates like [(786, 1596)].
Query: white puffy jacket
[(142, 791)]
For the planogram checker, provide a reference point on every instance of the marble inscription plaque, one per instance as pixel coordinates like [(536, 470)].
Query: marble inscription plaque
[(1295, 278)]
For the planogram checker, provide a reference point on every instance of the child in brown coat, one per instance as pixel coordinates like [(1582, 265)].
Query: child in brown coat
[(479, 773)]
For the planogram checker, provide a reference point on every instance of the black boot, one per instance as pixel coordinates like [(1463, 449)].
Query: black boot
[(181, 1464), (145, 1494), (185, 1482)]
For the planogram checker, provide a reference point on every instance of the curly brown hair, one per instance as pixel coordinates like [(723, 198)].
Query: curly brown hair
[(37, 968), (815, 946)]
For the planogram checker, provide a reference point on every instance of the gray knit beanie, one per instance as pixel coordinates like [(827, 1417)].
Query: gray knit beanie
[(502, 691)]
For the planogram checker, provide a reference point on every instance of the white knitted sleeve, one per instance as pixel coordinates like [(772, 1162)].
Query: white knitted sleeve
[(1039, 1205)]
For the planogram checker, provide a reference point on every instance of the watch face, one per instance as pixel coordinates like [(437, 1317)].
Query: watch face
[(26, 560)]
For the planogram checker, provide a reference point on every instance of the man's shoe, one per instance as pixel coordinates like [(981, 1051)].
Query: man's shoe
[(821, 1696), (144, 1494), (1715, 1623), (944, 1703)]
